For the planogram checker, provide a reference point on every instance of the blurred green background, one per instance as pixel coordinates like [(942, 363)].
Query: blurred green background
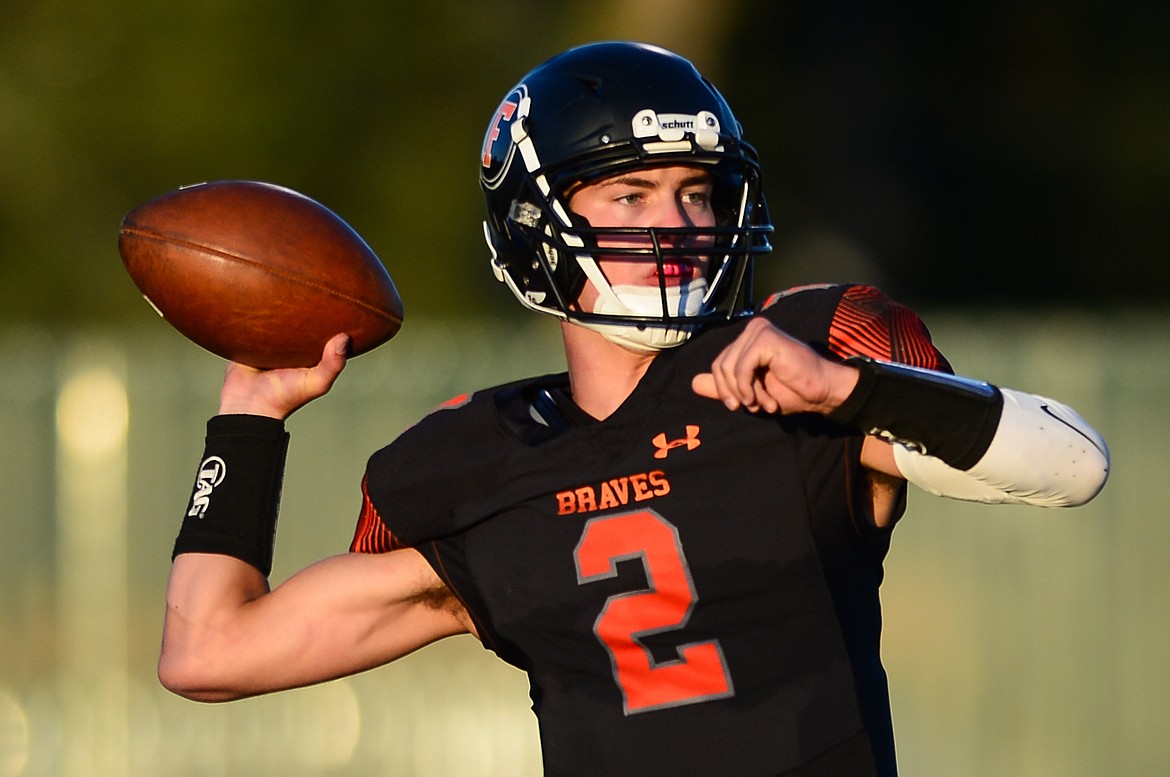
[(982, 153), (1005, 167)]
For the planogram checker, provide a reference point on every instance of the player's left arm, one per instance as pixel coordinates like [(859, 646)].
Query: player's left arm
[(967, 439), (950, 436)]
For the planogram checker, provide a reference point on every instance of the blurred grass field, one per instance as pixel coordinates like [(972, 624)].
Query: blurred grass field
[(1019, 641)]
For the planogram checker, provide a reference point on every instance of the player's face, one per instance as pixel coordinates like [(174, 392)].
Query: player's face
[(676, 196)]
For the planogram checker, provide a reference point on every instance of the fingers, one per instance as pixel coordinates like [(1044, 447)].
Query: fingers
[(338, 345), (321, 378), (766, 370), (737, 376), (279, 393), (703, 384)]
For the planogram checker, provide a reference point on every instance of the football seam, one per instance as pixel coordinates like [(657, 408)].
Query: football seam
[(159, 238)]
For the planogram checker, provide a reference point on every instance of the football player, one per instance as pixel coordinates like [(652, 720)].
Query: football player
[(680, 538)]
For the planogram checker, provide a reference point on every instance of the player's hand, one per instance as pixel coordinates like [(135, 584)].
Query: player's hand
[(278, 393), (765, 369)]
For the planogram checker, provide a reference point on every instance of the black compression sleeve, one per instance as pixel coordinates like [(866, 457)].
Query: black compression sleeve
[(940, 415), (236, 498)]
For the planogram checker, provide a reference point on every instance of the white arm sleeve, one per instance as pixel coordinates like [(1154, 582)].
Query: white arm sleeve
[(1042, 454)]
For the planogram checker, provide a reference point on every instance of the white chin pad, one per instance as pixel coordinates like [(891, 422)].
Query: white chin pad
[(646, 301)]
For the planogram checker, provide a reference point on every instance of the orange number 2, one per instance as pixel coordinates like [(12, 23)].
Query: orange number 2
[(700, 671)]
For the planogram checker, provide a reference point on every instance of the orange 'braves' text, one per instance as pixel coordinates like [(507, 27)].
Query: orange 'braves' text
[(614, 492)]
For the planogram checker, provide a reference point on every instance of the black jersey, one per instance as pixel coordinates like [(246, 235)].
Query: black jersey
[(691, 590)]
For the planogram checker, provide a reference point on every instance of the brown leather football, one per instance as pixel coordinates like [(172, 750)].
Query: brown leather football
[(258, 274)]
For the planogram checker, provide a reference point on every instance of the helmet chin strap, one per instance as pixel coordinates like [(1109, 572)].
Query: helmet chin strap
[(646, 301)]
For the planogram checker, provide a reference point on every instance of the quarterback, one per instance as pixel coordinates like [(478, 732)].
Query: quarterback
[(680, 538)]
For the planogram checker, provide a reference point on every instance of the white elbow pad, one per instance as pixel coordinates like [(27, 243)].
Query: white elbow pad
[(1043, 453)]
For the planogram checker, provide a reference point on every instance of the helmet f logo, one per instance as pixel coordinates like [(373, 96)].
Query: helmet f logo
[(503, 114), (498, 144)]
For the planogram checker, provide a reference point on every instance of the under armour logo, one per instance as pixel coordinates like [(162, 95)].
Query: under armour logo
[(691, 441)]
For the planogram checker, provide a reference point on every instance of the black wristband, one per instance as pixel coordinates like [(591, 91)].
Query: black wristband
[(940, 415), (236, 499)]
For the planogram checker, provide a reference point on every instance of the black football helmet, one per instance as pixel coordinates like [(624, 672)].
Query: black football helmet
[(593, 112)]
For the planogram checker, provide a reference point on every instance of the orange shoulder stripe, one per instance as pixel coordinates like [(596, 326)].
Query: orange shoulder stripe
[(371, 535)]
